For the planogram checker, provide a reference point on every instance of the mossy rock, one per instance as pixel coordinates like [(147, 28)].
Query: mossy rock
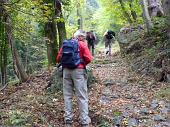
[(56, 80)]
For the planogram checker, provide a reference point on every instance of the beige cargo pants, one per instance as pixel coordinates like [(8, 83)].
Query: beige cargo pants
[(75, 79)]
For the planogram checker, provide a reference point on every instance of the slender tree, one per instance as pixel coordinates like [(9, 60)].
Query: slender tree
[(79, 15), (146, 15), (3, 47), (50, 33), (166, 7), (60, 22), (51, 42), (18, 66)]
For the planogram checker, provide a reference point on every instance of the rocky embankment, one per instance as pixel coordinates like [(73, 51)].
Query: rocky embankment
[(148, 54)]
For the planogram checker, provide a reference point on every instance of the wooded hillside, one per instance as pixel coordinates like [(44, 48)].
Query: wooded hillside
[(31, 33)]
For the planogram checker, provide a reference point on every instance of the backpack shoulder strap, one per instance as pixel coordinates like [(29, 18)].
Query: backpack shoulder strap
[(75, 44)]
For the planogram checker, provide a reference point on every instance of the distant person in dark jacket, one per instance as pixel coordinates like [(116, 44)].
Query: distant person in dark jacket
[(91, 39), (108, 38)]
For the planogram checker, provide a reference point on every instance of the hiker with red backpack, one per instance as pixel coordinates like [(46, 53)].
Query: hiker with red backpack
[(91, 39), (74, 55), (108, 38)]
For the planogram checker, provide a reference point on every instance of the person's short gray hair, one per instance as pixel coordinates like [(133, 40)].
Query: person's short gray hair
[(79, 33)]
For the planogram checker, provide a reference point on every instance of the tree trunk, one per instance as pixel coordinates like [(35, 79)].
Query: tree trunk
[(61, 32), (166, 7), (80, 19), (146, 16), (126, 14), (2, 51), (4, 62), (60, 24), (3, 47), (51, 41), (18, 66)]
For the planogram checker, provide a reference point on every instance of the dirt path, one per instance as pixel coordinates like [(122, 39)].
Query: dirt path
[(118, 98), (128, 99)]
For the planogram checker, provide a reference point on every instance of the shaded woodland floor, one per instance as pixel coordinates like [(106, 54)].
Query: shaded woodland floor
[(118, 98)]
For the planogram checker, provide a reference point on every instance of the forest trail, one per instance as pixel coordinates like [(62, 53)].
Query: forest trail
[(119, 97), (126, 98)]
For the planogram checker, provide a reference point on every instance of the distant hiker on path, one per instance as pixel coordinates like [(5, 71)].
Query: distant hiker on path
[(108, 38), (74, 55), (91, 39)]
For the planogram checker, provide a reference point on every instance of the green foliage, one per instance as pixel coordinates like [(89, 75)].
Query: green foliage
[(59, 20), (99, 15), (70, 30), (101, 61), (29, 17), (159, 22), (164, 93), (103, 123), (116, 113), (33, 55), (71, 16), (2, 116), (158, 37), (150, 52), (90, 7), (44, 120), (17, 118), (113, 16)]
